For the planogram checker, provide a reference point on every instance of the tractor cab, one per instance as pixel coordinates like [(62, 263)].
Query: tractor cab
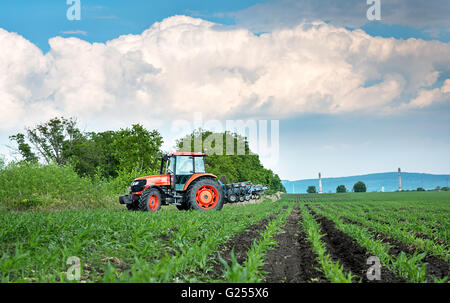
[(181, 167)]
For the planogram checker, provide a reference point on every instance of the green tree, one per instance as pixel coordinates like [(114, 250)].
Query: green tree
[(23, 148), (359, 187), (53, 140), (420, 189), (136, 148), (311, 189), (341, 189), (237, 164), (2, 162)]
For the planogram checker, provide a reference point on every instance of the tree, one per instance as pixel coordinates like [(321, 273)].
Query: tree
[(23, 148), (420, 189), (359, 187), (137, 148), (53, 140), (341, 189), (237, 164), (311, 189)]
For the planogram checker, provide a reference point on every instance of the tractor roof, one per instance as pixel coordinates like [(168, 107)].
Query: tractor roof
[(186, 154)]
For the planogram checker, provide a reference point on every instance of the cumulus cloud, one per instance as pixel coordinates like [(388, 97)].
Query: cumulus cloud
[(431, 15), (183, 64)]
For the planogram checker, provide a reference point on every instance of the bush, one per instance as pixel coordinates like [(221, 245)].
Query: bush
[(311, 189), (359, 187), (36, 186), (341, 189)]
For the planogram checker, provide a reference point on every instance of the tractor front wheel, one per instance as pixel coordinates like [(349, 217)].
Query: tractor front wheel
[(150, 200), (205, 194)]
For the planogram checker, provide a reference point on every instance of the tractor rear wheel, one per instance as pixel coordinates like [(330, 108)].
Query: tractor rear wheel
[(150, 200), (205, 194)]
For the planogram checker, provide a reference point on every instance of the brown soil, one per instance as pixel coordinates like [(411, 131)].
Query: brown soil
[(239, 244), (435, 266), (292, 261), (350, 254)]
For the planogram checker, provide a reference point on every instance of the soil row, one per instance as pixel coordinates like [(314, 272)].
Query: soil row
[(293, 261), (434, 266), (350, 254), (239, 245)]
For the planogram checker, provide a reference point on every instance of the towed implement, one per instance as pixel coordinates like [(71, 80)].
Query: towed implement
[(182, 181), (243, 191)]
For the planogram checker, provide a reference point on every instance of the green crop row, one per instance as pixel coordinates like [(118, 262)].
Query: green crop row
[(409, 267), (118, 245), (395, 231), (332, 270), (249, 271)]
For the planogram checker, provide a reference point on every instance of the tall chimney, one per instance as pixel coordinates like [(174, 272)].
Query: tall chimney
[(320, 183), (399, 179)]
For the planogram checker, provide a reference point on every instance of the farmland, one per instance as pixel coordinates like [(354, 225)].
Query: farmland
[(300, 238)]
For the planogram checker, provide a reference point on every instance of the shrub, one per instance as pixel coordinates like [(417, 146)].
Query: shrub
[(359, 187), (341, 189), (36, 186), (311, 189)]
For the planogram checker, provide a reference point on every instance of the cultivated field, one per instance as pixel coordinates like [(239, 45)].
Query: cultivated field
[(300, 238)]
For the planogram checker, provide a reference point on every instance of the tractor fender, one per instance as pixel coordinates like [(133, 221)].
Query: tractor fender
[(197, 176)]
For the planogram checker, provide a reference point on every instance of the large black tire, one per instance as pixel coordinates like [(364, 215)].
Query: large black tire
[(212, 192), (150, 200)]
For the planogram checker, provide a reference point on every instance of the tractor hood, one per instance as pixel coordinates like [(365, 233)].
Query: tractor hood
[(160, 180)]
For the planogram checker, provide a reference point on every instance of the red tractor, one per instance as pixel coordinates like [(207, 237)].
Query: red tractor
[(182, 181)]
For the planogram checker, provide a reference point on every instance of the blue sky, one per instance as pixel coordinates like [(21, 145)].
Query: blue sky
[(103, 20), (409, 129)]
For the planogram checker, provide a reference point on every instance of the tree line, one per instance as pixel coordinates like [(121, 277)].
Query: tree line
[(106, 154)]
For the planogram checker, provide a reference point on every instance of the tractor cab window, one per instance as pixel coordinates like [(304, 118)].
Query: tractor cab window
[(170, 166), (199, 163), (185, 165)]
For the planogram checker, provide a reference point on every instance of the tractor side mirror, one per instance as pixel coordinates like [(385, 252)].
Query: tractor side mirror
[(156, 160)]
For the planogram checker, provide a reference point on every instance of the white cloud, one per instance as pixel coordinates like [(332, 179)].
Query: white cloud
[(184, 64), (431, 15)]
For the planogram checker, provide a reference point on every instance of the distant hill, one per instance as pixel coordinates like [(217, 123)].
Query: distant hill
[(374, 182)]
